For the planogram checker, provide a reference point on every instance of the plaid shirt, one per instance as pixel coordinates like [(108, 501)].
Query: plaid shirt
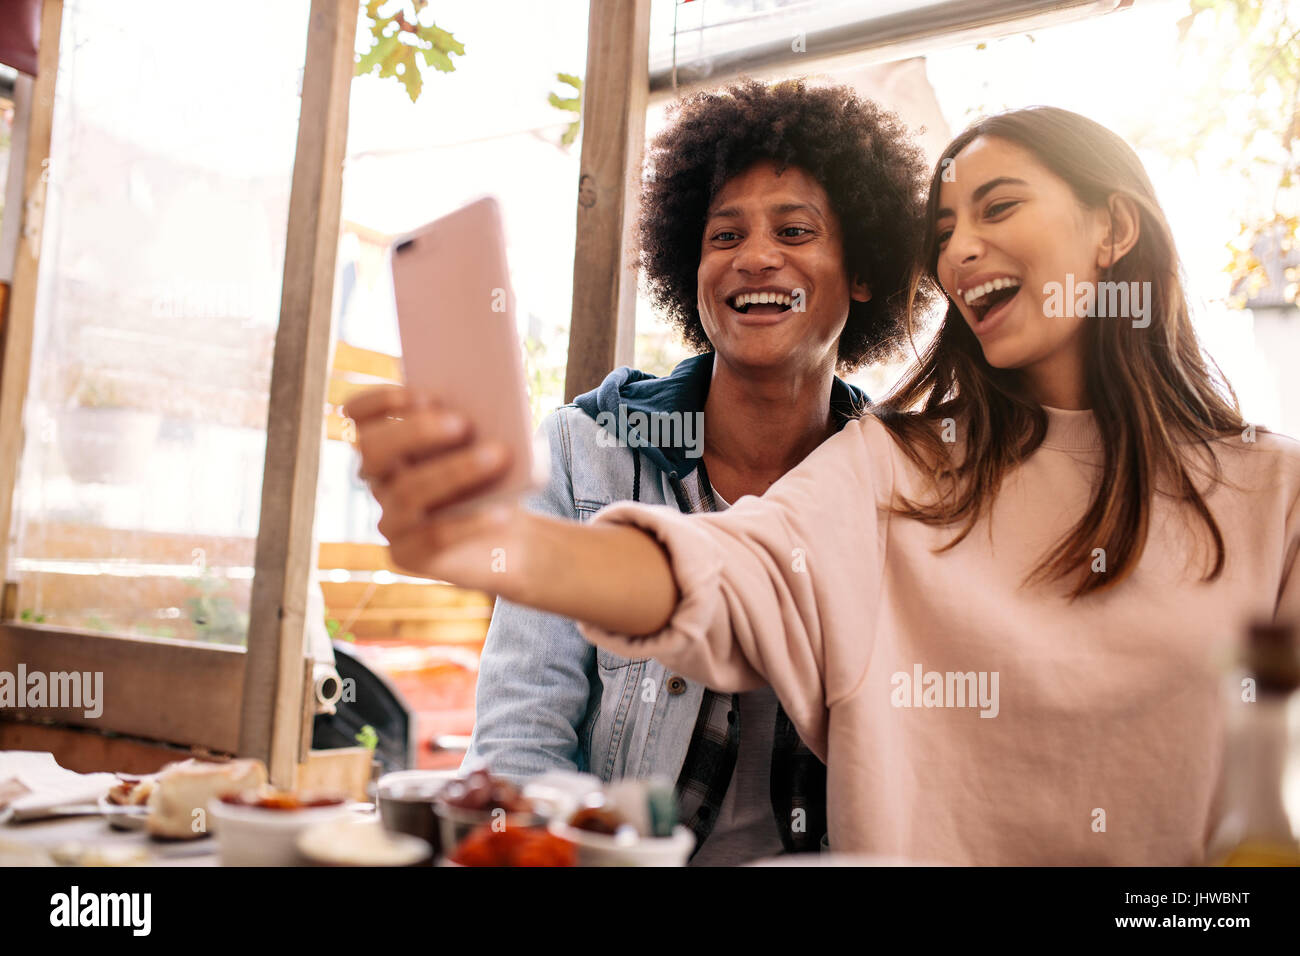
[(798, 780)]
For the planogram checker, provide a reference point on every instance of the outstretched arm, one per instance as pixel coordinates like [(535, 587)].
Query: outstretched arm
[(751, 596), (419, 457)]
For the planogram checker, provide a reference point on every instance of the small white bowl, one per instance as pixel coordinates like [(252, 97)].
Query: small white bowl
[(361, 842), (256, 836), (600, 849)]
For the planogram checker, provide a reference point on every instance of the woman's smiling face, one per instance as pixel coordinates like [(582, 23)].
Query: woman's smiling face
[(775, 238), (1007, 227)]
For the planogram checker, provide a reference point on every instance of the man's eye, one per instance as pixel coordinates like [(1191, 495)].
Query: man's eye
[(797, 230), (726, 236)]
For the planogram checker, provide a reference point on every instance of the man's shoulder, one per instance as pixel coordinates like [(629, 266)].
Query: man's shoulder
[(579, 429), (600, 467)]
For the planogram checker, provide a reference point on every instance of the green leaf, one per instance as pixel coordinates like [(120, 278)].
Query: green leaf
[(394, 59), (377, 55), (439, 60), (442, 40), (570, 104), (411, 76), (397, 42)]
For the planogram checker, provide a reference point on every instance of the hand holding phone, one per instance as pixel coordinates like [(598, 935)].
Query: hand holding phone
[(422, 461)]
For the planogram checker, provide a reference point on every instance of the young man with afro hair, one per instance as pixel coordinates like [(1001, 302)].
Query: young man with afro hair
[(776, 234)]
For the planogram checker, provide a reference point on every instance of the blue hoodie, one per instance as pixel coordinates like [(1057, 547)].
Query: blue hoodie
[(629, 397), (546, 698)]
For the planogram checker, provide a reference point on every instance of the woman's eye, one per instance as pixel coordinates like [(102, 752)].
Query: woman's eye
[(944, 236), (1000, 207), (725, 236)]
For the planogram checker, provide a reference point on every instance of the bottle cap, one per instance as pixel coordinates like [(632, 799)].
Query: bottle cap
[(1272, 657)]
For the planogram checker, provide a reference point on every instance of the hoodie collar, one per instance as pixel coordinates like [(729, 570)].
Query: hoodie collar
[(625, 402)]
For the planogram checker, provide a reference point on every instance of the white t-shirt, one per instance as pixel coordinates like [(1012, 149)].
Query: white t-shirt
[(746, 828)]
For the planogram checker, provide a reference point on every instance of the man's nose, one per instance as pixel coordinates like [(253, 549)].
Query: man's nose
[(758, 253)]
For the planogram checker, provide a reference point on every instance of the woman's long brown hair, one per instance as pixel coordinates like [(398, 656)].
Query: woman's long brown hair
[(1151, 390)]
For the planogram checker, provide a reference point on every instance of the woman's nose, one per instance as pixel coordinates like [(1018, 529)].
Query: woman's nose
[(963, 247)]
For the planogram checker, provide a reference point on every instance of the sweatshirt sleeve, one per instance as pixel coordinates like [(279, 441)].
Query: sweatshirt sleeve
[(778, 590)]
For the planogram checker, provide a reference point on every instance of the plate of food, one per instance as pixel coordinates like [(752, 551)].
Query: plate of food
[(172, 804), (126, 805)]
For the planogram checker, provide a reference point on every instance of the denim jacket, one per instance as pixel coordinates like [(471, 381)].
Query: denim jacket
[(548, 700)]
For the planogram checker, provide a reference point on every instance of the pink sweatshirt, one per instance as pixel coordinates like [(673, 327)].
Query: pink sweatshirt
[(964, 717)]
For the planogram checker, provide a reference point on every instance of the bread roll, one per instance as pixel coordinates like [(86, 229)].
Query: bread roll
[(183, 789)]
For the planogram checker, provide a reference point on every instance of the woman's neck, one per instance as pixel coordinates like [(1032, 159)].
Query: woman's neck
[(1059, 381), (758, 428)]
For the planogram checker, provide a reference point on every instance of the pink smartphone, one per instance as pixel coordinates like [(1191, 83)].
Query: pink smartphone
[(456, 318)]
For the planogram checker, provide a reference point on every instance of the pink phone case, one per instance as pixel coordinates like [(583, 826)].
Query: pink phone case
[(456, 318)]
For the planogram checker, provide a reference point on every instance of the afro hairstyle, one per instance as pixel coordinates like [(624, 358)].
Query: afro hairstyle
[(861, 154)]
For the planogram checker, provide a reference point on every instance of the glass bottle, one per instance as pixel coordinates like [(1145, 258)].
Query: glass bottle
[(1260, 825)]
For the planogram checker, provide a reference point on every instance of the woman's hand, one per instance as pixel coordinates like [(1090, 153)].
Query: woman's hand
[(420, 457)]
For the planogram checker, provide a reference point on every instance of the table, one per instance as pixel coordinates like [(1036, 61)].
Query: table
[(27, 843)]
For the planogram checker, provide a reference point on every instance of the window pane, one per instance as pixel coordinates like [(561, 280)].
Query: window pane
[(487, 127), (163, 248)]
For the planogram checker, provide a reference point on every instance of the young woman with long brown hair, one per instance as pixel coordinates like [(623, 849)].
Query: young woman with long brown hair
[(998, 604)]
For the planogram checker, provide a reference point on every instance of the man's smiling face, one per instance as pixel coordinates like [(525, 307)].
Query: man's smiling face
[(772, 283)]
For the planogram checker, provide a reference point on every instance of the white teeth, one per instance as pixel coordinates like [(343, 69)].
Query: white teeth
[(980, 291), (762, 298)]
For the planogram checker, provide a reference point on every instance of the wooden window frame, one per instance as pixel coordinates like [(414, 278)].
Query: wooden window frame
[(252, 700), (615, 91)]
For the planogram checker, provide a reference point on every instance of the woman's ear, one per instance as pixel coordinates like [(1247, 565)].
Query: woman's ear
[(1122, 234), (859, 291)]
